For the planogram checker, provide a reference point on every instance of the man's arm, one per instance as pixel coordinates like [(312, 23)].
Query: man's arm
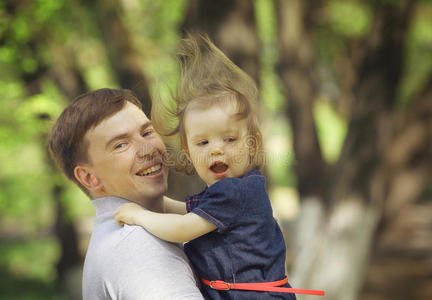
[(172, 206), (169, 227)]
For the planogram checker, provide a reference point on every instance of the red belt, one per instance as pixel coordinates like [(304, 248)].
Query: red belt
[(273, 286)]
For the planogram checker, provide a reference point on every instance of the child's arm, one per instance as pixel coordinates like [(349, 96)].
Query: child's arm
[(169, 227), (173, 206)]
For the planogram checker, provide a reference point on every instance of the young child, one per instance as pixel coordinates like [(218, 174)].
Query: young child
[(231, 233)]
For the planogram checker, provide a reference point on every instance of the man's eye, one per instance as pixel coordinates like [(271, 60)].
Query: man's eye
[(202, 143), (147, 133), (119, 146)]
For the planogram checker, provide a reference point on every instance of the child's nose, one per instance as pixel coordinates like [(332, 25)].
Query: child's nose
[(217, 149)]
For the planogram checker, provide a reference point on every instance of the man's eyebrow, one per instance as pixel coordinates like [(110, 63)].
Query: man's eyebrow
[(115, 138), (125, 135), (145, 125)]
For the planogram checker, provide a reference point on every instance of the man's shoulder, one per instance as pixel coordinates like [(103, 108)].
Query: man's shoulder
[(123, 246), (119, 262), (128, 241)]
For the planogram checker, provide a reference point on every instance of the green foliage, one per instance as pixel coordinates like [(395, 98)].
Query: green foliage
[(24, 179), (27, 269), (45, 10), (270, 90), (418, 64), (279, 151), (344, 21), (349, 18), (76, 203), (331, 129), (155, 29), (31, 259)]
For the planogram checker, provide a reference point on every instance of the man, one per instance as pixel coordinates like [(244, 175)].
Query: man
[(106, 145)]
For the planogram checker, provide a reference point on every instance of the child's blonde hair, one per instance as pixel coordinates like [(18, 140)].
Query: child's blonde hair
[(208, 78)]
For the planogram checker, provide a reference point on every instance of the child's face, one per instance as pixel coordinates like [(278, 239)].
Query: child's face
[(217, 142)]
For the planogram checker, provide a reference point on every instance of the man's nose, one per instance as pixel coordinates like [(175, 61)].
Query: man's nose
[(144, 151)]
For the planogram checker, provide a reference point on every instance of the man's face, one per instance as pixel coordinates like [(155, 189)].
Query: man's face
[(125, 154)]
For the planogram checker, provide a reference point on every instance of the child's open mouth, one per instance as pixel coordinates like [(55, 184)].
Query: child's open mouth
[(219, 168)]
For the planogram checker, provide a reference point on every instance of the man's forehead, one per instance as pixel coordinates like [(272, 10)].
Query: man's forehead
[(129, 118)]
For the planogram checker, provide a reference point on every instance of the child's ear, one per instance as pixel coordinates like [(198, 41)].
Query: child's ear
[(86, 177), (187, 166), (253, 147), (253, 151), (186, 152)]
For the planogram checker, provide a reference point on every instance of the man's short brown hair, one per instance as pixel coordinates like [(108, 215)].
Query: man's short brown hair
[(66, 141)]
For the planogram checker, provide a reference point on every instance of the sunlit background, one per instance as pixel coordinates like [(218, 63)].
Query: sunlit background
[(345, 106)]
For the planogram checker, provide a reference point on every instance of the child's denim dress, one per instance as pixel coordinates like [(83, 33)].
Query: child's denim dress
[(247, 246)]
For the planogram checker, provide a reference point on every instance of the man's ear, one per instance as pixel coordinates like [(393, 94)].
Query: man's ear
[(85, 176)]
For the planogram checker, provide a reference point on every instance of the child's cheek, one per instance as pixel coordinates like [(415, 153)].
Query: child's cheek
[(239, 157), (201, 159)]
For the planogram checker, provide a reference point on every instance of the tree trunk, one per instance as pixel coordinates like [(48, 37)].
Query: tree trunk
[(401, 260), (297, 70), (65, 72), (122, 55), (335, 231)]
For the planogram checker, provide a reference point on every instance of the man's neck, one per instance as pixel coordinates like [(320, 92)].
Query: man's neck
[(154, 205)]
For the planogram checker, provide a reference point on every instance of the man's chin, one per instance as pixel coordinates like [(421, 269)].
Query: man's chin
[(155, 190)]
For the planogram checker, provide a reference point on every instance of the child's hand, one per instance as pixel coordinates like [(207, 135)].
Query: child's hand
[(127, 214)]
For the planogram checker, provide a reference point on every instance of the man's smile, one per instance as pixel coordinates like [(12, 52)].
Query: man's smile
[(151, 171)]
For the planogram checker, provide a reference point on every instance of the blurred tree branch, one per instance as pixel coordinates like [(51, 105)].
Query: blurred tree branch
[(298, 72), (231, 25), (122, 55)]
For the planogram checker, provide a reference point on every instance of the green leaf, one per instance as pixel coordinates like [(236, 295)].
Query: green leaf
[(349, 18)]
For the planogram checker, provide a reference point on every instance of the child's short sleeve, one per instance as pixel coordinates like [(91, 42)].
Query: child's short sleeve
[(221, 204)]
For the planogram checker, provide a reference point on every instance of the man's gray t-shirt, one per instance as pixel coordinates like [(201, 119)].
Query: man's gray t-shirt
[(129, 263)]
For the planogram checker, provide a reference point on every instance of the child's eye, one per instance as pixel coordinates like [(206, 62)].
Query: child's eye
[(202, 143), (230, 139)]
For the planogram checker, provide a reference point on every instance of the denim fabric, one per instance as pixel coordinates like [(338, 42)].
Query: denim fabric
[(247, 246)]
